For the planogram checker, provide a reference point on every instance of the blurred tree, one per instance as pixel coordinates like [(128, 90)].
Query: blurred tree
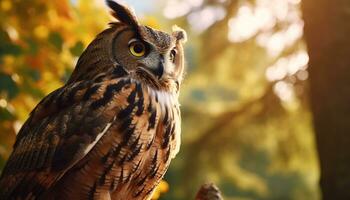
[(246, 118), (327, 35)]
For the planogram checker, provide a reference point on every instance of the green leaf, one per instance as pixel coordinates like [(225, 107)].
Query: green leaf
[(56, 39), (31, 89), (8, 85), (33, 46), (77, 49), (7, 47), (10, 49), (4, 37), (5, 115), (31, 73), (67, 73)]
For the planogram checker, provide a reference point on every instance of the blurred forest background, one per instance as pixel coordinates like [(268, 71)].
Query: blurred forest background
[(246, 119)]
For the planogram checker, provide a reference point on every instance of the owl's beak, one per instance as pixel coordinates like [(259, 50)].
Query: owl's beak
[(155, 69), (158, 71)]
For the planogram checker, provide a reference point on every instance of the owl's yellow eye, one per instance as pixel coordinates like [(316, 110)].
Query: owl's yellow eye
[(137, 48)]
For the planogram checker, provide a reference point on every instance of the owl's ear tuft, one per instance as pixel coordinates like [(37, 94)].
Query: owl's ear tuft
[(179, 34), (123, 13)]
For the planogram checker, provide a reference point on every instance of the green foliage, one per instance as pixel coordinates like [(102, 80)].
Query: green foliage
[(56, 40), (5, 115), (77, 49), (7, 47), (8, 86)]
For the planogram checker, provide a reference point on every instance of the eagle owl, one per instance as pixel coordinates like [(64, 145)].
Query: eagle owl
[(111, 131)]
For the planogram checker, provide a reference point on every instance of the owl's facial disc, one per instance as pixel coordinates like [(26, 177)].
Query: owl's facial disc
[(144, 52), (133, 53), (154, 66)]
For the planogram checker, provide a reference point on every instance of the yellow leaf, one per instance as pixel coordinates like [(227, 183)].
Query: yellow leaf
[(41, 32), (6, 5), (163, 187)]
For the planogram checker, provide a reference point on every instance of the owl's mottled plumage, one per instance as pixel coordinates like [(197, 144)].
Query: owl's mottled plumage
[(208, 191), (111, 131)]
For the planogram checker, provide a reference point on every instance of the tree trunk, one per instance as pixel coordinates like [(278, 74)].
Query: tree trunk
[(327, 34)]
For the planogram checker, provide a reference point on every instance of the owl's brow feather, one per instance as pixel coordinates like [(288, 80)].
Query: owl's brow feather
[(161, 39)]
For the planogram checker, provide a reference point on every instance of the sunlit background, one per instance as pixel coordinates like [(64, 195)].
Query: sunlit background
[(246, 120)]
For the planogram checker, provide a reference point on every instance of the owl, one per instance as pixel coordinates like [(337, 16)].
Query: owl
[(111, 131), (208, 191)]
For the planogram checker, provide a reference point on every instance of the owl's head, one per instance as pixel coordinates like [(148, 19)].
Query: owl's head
[(148, 55)]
